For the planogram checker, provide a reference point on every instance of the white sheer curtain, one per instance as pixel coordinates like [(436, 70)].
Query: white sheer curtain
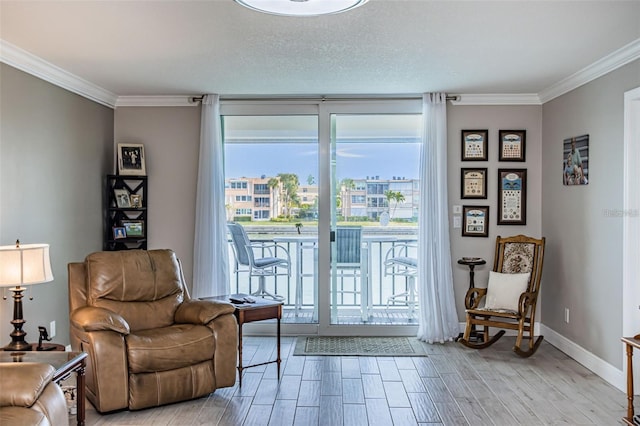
[(438, 317), (210, 250)]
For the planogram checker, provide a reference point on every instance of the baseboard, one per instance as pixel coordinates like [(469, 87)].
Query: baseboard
[(600, 367)]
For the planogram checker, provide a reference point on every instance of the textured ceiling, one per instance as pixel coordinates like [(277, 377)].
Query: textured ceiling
[(384, 47)]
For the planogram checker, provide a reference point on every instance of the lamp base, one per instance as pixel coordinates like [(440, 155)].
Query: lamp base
[(18, 347), (18, 334)]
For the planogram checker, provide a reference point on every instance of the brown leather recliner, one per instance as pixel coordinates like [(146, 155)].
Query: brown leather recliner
[(29, 397), (148, 343)]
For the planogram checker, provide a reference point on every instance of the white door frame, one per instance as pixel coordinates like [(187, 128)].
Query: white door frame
[(631, 221)]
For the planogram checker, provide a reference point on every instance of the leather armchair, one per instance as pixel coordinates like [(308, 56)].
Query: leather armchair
[(148, 342), (29, 397)]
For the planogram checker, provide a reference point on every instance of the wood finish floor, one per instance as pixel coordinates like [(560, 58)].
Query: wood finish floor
[(453, 385)]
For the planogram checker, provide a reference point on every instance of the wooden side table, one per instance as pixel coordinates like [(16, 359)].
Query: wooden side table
[(262, 309), (471, 262), (631, 343)]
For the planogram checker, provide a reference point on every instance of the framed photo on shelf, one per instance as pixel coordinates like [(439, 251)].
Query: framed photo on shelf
[(133, 228), (136, 200), (131, 159), (475, 221), (122, 198), (512, 196), (474, 145), (119, 233), (473, 183), (512, 145)]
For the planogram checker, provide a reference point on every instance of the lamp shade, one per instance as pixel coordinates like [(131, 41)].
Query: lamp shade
[(25, 264)]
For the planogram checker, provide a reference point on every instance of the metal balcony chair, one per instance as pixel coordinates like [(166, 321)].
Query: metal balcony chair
[(261, 267), (351, 263), (397, 262)]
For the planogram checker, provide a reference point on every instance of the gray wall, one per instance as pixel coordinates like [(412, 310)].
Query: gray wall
[(55, 148), (584, 273), (171, 138), (493, 118)]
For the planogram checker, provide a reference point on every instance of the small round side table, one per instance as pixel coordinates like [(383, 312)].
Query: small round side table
[(472, 262)]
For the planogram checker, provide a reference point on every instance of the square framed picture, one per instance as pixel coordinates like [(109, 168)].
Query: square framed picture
[(474, 145), (512, 145), (512, 196), (119, 233), (473, 183), (133, 228), (136, 201), (131, 159), (575, 160), (475, 221), (123, 200)]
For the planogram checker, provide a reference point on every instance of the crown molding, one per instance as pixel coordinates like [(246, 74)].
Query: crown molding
[(31, 64), (611, 62), (156, 101), (498, 99)]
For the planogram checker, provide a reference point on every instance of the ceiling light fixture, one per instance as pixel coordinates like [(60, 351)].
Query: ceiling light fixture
[(301, 7)]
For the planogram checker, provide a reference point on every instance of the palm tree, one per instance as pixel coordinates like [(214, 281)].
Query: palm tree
[(347, 184), (273, 184), (290, 185), (396, 197)]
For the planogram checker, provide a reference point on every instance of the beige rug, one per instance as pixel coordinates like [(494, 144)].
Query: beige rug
[(359, 346)]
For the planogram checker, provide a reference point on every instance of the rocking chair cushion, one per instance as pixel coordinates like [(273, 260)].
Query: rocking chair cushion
[(504, 290)]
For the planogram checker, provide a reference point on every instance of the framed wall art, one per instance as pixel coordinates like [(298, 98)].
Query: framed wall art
[(575, 161), (473, 183), (512, 145), (475, 221), (474, 145), (131, 159), (512, 196)]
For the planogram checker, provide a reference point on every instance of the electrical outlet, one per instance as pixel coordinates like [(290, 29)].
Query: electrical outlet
[(52, 329), (566, 315)]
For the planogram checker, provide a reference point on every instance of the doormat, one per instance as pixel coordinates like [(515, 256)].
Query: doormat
[(359, 346)]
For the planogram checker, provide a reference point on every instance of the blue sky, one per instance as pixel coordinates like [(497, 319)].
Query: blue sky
[(355, 160)]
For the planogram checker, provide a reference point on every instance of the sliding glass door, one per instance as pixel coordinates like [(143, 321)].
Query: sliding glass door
[(332, 187), (374, 182)]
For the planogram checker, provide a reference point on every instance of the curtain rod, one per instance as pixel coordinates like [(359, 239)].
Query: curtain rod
[(322, 99)]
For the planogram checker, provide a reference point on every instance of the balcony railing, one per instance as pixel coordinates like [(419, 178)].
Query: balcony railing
[(303, 253)]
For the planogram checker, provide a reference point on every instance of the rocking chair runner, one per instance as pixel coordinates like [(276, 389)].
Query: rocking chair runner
[(514, 255)]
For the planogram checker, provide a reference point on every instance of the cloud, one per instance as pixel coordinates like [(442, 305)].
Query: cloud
[(346, 153)]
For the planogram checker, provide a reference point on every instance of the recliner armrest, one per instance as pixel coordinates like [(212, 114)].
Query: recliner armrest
[(90, 318), (201, 311), (22, 383)]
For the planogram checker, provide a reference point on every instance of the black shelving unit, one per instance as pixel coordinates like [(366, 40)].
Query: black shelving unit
[(126, 215)]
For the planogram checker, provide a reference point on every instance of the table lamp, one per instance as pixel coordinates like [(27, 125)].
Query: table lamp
[(20, 266)]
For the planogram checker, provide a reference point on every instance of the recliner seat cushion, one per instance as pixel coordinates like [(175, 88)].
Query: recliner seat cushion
[(168, 348)]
